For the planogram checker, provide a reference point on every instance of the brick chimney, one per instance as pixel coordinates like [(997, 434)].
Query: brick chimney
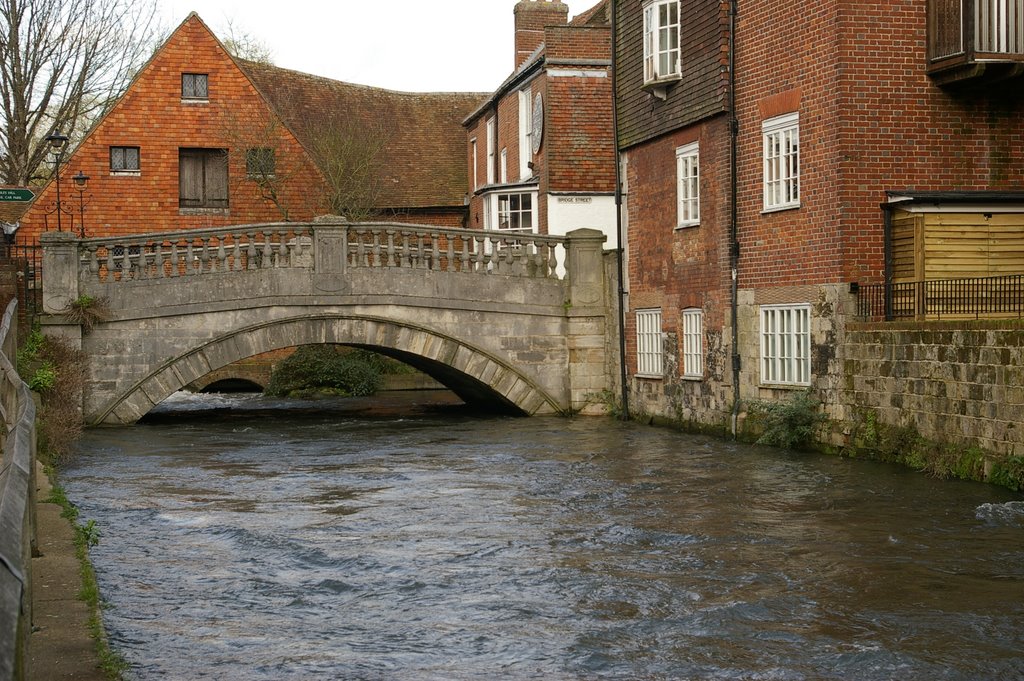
[(531, 18)]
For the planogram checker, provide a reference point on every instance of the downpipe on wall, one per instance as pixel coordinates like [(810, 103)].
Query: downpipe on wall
[(734, 244)]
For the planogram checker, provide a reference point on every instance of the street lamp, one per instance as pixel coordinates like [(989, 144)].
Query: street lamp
[(81, 179), (57, 143)]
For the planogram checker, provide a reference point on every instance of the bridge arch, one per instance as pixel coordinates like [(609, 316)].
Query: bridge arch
[(472, 373)]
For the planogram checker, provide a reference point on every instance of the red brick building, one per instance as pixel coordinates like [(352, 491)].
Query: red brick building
[(804, 152), (201, 139), (541, 152)]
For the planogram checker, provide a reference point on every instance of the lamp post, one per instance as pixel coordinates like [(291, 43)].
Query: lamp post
[(10, 228), (81, 180), (57, 143)]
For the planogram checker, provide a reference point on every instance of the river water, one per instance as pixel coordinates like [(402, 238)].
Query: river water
[(259, 543)]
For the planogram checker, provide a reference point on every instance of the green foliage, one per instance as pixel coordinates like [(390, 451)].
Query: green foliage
[(44, 378), (321, 368), (87, 311), (1009, 473), (54, 369), (87, 535), (789, 424), (29, 351)]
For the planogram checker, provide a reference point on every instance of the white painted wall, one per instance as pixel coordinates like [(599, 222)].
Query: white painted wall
[(578, 211)]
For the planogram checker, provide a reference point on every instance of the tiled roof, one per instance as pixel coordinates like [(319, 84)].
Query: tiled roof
[(425, 145), (598, 15)]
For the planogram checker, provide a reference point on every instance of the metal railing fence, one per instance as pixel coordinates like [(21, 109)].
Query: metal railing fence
[(991, 297)]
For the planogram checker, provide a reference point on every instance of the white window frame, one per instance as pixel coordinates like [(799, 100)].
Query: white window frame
[(504, 212), (688, 185), (492, 148), (476, 176), (650, 350), (525, 133), (662, 51), (786, 344), (781, 152), (693, 343), (503, 166)]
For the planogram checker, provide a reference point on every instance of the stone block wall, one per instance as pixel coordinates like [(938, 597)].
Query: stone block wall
[(953, 382)]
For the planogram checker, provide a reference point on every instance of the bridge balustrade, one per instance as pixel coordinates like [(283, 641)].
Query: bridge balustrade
[(332, 247)]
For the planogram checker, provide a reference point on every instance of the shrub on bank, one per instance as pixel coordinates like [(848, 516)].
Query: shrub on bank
[(322, 369), (56, 371), (792, 424)]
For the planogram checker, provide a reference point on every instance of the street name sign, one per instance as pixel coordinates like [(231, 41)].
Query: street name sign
[(12, 194)]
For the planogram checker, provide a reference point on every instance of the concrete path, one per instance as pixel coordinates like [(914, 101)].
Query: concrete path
[(61, 646)]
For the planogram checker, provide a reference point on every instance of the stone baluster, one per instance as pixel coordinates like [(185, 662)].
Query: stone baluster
[(362, 255), (191, 259), (222, 260), (94, 263), (435, 252), (468, 254), (159, 271), (268, 253), (405, 255), (375, 236), (132, 255), (390, 258), (143, 262), (236, 252), (513, 255), (204, 258), (491, 253), (250, 252), (175, 259), (111, 267)]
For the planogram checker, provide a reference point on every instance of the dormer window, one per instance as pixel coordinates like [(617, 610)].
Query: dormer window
[(195, 86), (661, 41)]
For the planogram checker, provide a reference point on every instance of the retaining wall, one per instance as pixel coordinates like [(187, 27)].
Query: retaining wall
[(957, 381)]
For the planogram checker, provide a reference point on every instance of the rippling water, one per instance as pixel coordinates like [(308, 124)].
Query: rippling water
[(269, 544)]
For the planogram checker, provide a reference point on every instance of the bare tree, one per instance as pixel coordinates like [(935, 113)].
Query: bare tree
[(350, 155), (268, 166), (62, 64), (243, 45)]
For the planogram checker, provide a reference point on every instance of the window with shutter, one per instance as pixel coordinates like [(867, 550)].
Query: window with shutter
[(202, 178)]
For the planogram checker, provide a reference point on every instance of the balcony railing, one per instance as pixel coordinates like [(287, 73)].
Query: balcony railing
[(990, 297), (974, 33)]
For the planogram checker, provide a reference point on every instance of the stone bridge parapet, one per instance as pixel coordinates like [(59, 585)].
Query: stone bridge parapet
[(519, 320)]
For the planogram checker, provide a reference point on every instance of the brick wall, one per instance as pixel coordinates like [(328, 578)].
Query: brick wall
[(674, 269), (531, 16), (578, 152), (870, 120), (152, 117)]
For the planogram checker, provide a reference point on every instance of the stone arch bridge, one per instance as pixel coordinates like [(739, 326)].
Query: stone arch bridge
[(520, 321)]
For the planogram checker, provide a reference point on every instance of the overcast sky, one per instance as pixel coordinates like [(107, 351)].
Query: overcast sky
[(412, 45)]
